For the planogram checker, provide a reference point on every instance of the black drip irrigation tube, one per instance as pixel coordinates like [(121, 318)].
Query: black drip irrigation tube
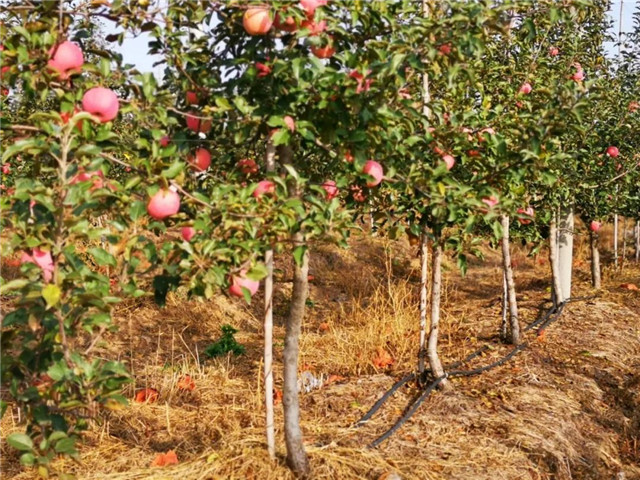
[(549, 317)]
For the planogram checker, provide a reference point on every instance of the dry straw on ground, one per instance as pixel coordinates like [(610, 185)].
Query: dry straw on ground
[(566, 408)]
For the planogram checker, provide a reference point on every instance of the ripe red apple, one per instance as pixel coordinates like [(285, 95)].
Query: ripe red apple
[(529, 212), (201, 160), (526, 88), (348, 157), (634, 106), (42, 259), (315, 28), (324, 52), (309, 6), (257, 21), (66, 116), (248, 166), (192, 98), (286, 25), (66, 59), (445, 49), (449, 160), (188, 233), (240, 281), (263, 187), (491, 201), (163, 204), (165, 141), (102, 103), (595, 226), (331, 189), (6, 168), (579, 75), (613, 152), (553, 51), (263, 69), (198, 125), (290, 123), (375, 170), (473, 153)]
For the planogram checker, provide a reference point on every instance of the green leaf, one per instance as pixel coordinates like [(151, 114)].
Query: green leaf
[(66, 445), (16, 284), (103, 257), (298, 253), (281, 137), (27, 459), (20, 441), (173, 170), (51, 294)]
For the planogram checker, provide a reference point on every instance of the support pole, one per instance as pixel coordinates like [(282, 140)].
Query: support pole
[(565, 252)]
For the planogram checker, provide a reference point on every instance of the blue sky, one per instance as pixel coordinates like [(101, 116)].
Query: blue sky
[(134, 50)]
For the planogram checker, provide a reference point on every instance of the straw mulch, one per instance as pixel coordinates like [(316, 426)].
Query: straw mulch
[(565, 408)]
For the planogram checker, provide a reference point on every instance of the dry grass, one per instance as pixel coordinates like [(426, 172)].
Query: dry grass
[(568, 407)]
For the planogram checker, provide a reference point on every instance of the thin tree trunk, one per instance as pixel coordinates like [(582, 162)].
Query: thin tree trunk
[(637, 241), (268, 329), (505, 308), (436, 287), (615, 240), (424, 270), (511, 287), (296, 456), (624, 240), (595, 261), (556, 291)]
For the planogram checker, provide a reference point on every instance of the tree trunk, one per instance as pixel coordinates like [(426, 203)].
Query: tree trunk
[(505, 308), (615, 240), (556, 290), (424, 270), (637, 241), (268, 329), (296, 455), (436, 287), (595, 261), (511, 287)]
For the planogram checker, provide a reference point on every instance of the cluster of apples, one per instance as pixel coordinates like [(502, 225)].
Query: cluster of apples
[(66, 60), (258, 21)]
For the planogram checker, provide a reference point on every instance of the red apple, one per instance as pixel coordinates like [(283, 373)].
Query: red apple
[(102, 103), (286, 25), (491, 201), (613, 152), (595, 226), (66, 116), (324, 52), (309, 6), (374, 169), (529, 212), (290, 123), (449, 160), (238, 282), (473, 153), (197, 125), (257, 21), (188, 233), (315, 28), (6, 168), (165, 141), (553, 51), (348, 157), (42, 259), (579, 75), (445, 49), (526, 88), (248, 166), (201, 160), (263, 69), (329, 186), (66, 59), (192, 98), (634, 106), (163, 204), (264, 186)]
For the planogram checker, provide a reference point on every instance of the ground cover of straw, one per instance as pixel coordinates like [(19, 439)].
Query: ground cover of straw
[(568, 407)]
